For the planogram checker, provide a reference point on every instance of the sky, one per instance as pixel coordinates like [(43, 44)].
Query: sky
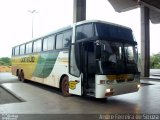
[(16, 21)]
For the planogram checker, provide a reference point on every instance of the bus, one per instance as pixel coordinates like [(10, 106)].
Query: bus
[(92, 58)]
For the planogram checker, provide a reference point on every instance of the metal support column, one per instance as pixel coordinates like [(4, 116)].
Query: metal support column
[(79, 10), (145, 42)]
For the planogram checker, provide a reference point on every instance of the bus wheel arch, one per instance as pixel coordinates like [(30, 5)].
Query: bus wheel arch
[(64, 85)]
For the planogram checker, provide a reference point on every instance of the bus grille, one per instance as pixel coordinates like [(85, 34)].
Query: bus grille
[(129, 80), (120, 81)]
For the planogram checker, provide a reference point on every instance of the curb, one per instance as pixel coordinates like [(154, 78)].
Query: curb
[(12, 93)]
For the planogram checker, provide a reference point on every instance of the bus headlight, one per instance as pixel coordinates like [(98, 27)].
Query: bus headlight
[(138, 86), (108, 90)]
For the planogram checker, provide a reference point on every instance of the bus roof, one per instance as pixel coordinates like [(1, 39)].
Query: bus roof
[(75, 24), (100, 21)]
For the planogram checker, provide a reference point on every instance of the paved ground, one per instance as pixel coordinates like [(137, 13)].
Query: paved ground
[(154, 71), (43, 100), (7, 78), (6, 97)]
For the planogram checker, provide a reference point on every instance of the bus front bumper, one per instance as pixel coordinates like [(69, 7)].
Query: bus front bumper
[(103, 91)]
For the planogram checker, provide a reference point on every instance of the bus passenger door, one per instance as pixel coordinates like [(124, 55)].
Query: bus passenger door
[(75, 70), (89, 69)]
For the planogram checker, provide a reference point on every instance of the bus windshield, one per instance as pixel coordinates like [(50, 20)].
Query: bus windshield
[(113, 33), (116, 57)]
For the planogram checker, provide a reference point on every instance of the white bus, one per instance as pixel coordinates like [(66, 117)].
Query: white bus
[(92, 58)]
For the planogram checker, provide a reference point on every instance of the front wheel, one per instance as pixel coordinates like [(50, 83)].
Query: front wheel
[(65, 86)]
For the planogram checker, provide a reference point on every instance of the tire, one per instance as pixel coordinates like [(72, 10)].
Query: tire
[(21, 76), (65, 86), (18, 74)]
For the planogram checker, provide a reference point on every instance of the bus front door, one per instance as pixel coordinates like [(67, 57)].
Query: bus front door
[(82, 66), (75, 82), (89, 68)]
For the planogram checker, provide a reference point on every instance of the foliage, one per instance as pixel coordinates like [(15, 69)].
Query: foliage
[(155, 61), (5, 61)]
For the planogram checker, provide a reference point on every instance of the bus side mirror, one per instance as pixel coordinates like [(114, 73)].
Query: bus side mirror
[(98, 51)]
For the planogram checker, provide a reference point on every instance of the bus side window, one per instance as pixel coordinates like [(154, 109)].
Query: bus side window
[(51, 42), (22, 49), (17, 50), (13, 52), (59, 41), (84, 31), (29, 47), (37, 46), (45, 44), (67, 39), (48, 43)]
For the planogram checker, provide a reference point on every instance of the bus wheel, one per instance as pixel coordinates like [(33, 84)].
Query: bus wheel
[(18, 75), (65, 86), (21, 76)]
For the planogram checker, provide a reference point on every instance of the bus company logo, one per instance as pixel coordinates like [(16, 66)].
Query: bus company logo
[(72, 84), (28, 59)]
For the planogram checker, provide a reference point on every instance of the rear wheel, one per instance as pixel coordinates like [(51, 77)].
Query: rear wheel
[(65, 86), (18, 74), (21, 76)]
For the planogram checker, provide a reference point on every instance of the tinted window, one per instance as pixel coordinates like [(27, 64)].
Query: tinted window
[(59, 41), (37, 46), (67, 39), (106, 31), (17, 50), (29, 47), (48, 43), (34, 46), (84, 31), (45, 44), (13, 51), (51, 42), (22, 49)]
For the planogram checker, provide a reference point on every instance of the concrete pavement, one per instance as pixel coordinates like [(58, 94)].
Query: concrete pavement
[(6, 77), (6, 97), (47, 100)]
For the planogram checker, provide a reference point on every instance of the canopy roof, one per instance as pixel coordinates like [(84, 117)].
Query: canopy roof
[(125, 5)]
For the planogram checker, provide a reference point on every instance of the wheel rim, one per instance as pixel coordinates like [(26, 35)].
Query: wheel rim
[(65, 86), (21, 76)]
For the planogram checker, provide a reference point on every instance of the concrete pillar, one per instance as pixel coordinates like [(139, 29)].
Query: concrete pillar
[(145, 42), (79, 10)]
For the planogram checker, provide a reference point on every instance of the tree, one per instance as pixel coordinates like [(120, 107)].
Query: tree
[(5, 61), (155, 61)]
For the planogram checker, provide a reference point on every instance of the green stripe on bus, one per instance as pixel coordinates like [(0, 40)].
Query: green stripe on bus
[(45, 64)]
